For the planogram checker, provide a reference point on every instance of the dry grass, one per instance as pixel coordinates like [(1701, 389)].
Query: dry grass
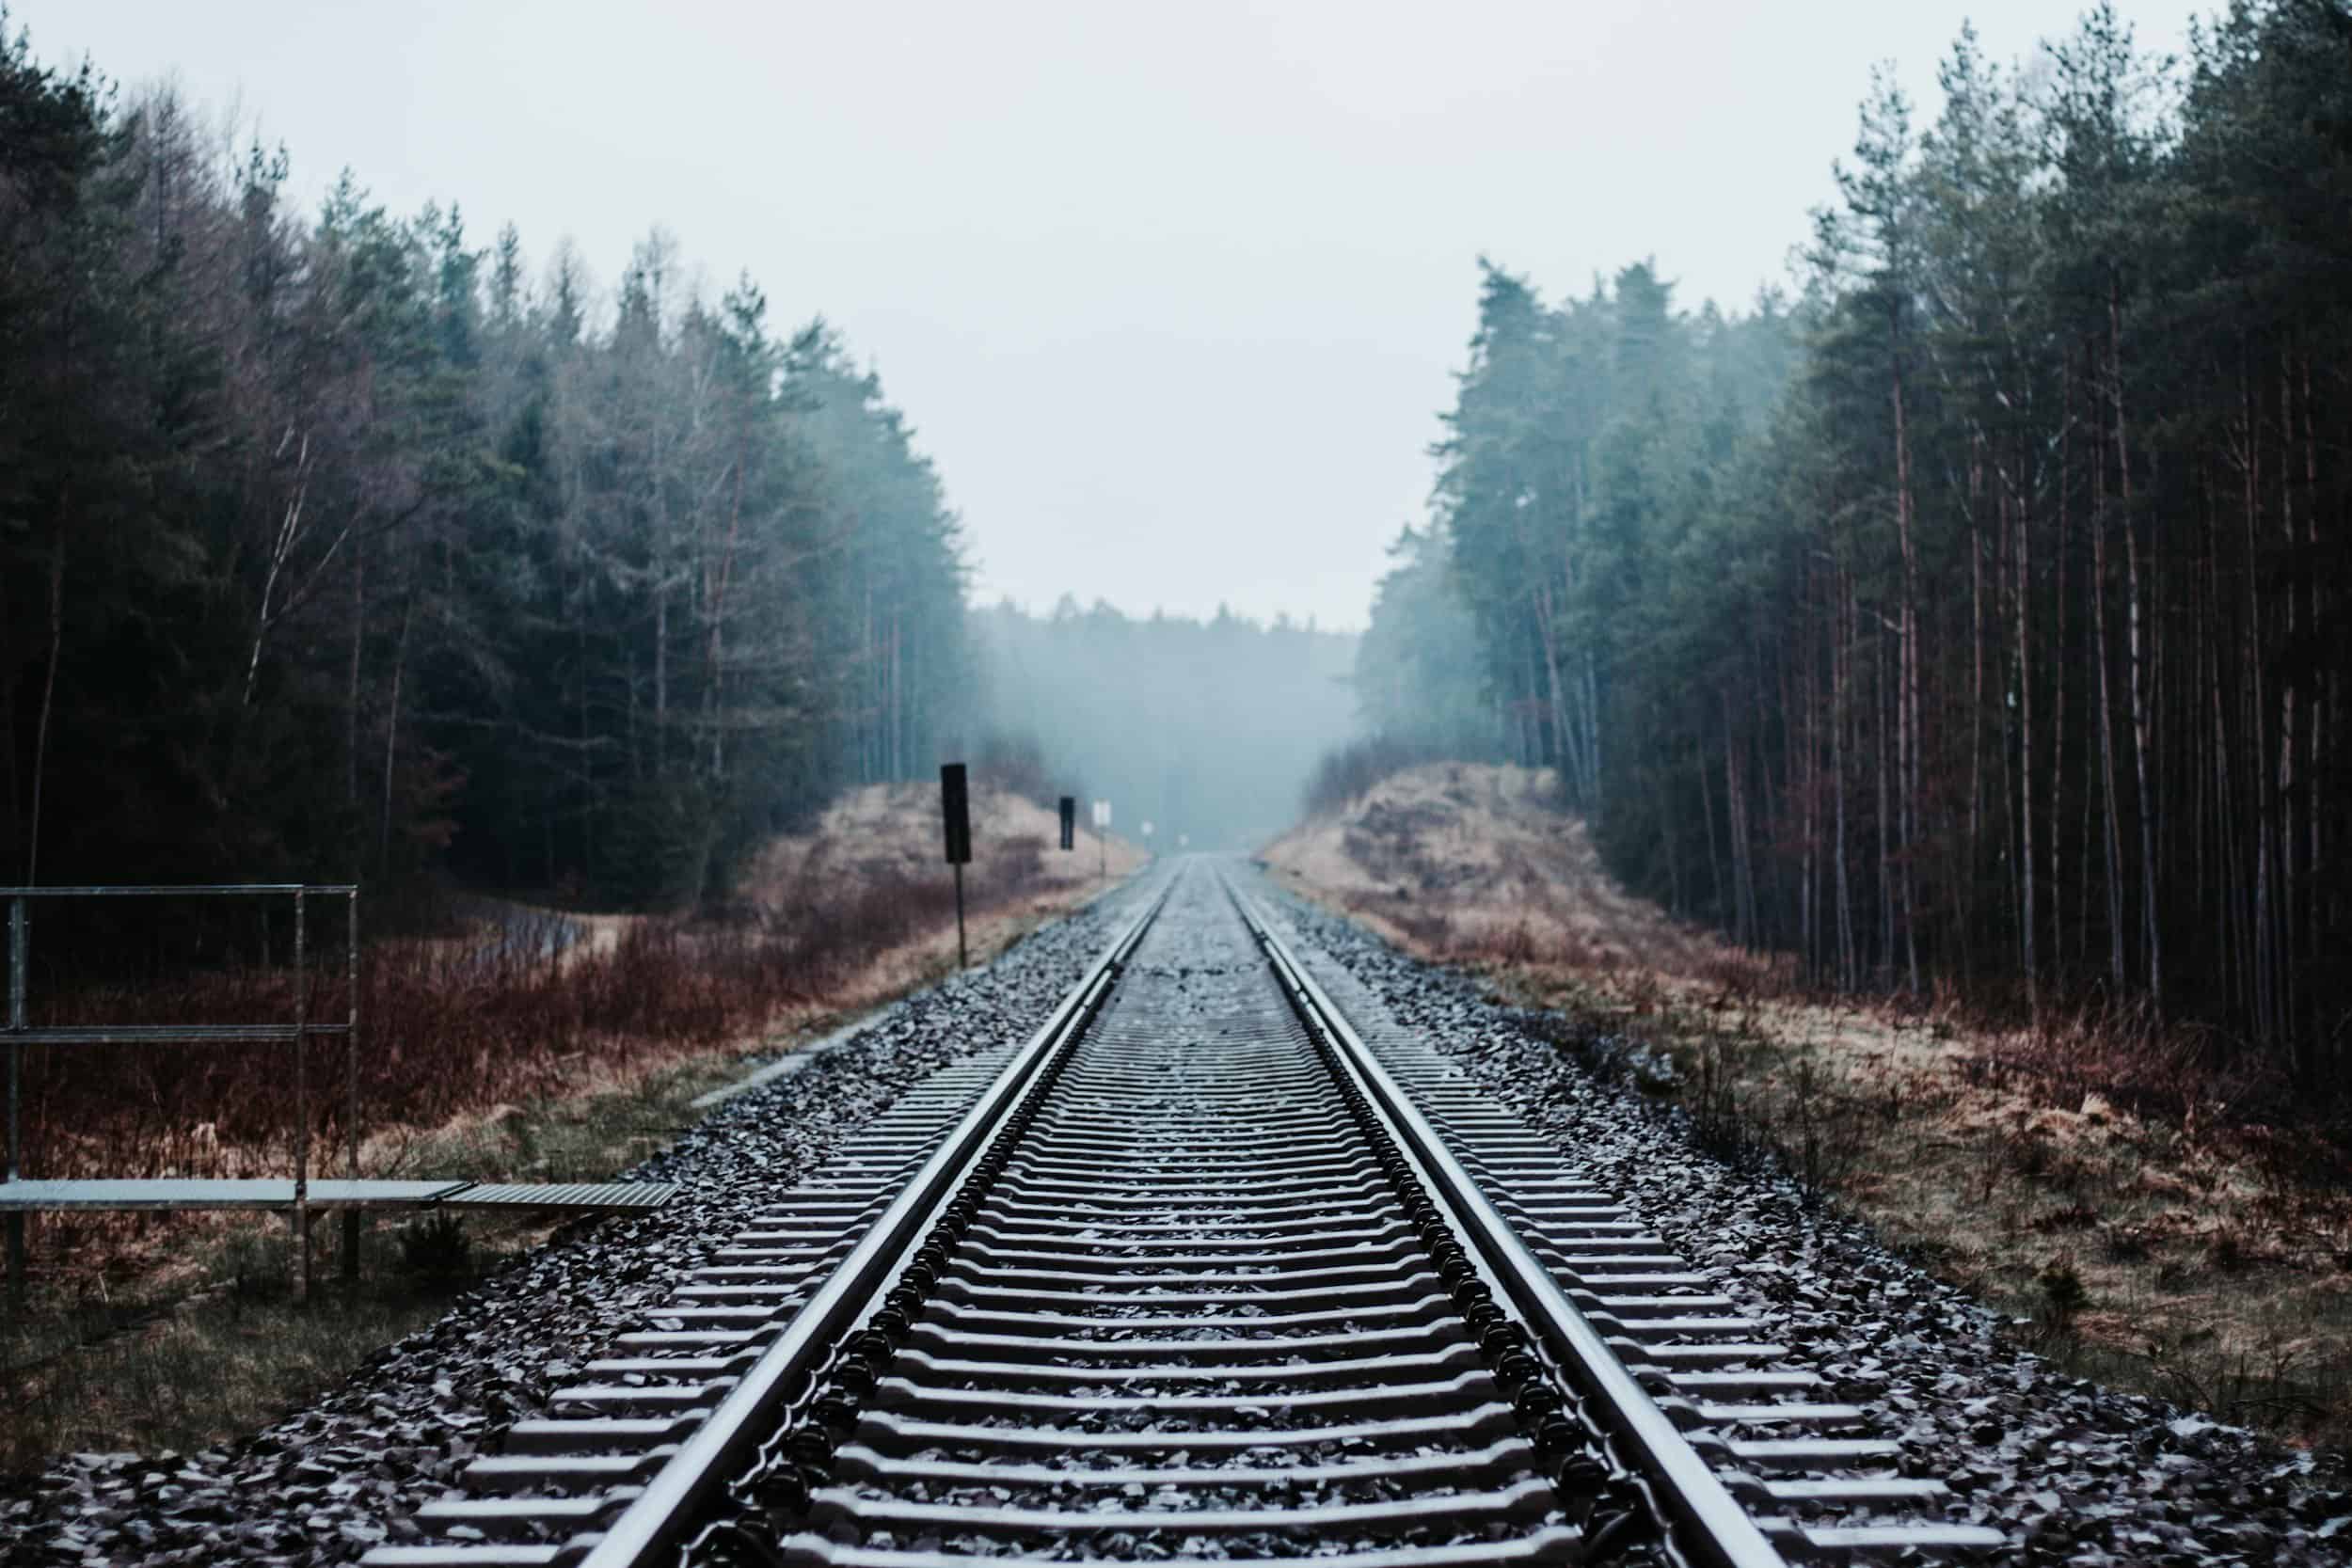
[(499, 1011), (211, 1347), (1463, 859), (2126, 1204), (486, 1057)]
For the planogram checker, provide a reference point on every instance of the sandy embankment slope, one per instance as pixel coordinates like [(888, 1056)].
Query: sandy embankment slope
[(1464, 860)]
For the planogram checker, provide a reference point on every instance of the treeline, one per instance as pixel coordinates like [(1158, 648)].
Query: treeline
[(1978, 615), (1205, 729), (341, 546)]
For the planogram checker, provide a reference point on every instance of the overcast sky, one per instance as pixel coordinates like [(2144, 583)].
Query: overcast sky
[(1171, 293)]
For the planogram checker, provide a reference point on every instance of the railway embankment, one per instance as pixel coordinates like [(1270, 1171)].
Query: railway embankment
[(569, 1359), (2128, 1219)]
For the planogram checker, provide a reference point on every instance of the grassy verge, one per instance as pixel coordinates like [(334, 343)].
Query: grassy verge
[(2211, 1266), (190, 1357)]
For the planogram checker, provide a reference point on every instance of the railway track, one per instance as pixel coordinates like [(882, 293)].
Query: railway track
[(1196, 1273)]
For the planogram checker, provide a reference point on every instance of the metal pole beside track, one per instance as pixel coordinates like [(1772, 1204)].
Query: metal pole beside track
[(351, 1079), (19, 942), (302, 1108)]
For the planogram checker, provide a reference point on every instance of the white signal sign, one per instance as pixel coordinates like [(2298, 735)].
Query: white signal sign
[(1101, 814)]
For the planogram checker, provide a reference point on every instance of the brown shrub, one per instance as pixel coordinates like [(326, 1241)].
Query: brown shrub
[(449, 1027)]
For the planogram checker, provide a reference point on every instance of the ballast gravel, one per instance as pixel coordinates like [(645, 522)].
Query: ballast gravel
[(2076, 1474), (342, 1475)]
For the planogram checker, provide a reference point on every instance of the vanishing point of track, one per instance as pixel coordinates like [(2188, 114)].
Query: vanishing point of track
[(1196, 1273)]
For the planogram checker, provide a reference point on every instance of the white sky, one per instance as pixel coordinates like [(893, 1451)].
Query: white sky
[(1171, 293)]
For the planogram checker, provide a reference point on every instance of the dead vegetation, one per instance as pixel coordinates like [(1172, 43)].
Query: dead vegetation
[(515, 1004), (520, 1044), (2142, 1214)]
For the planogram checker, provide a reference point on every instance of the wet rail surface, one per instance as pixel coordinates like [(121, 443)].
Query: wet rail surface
[(1197, 1274)]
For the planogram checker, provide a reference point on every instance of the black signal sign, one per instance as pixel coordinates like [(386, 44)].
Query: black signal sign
[(955, 806), (1070, 821)]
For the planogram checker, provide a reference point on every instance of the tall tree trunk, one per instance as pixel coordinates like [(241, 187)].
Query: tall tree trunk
[(1908, 738), (715, 591), (2150, 934), (1592, 735), (351, 695), (2058, 665), (1716, 889), (281, 552), (1566, 732), (2025, 915), (1975, 660), (1736, 814), (1801, 767), (392, 738), (2315, 732), (2254, 728), (2114, 840), (1841, 670), (12, 825), (48, 696), (1889, 700), (661, 676)]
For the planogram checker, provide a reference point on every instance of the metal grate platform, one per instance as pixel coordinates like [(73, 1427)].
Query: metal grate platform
[(610, 1197)]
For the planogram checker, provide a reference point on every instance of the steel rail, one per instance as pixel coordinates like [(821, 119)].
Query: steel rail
[(655, 1520), (1711, 1527)]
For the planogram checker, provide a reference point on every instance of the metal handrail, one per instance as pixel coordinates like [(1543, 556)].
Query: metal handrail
[(167, 1034), (161, 889), (17, 1033), (1714, 1529)]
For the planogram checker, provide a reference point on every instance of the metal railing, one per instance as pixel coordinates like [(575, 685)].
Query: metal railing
[(299, 1030)]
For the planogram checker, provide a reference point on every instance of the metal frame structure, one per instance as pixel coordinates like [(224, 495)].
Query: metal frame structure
[(19, 1033)]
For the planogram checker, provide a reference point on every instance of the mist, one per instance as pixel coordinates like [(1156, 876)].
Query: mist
[(1207, 730)]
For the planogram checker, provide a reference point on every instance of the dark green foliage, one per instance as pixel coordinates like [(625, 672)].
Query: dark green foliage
[(2064, 1294), (435, 1247), (1420, 671), (335, 547), (1977, 618)]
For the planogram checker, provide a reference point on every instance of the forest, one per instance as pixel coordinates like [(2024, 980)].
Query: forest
[(1207, 728), (343, 546), (1972, 615)]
